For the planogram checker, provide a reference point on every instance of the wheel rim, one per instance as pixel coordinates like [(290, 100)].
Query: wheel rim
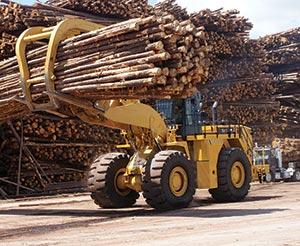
[(119, 182), (237, 174), (297, 174), (178, 181), (268, 177)]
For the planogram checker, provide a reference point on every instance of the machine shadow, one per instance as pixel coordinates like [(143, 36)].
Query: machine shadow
[(222, 213), (200, 202), (144, 210), (260, 198), (105, 214), (99, 216)]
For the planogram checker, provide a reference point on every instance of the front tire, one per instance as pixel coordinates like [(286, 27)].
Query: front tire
[(234, 176), (103, 182), (169, 181)]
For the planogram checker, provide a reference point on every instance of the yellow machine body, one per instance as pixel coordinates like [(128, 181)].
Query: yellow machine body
[(204, 150), (207, 146), (262, 169)]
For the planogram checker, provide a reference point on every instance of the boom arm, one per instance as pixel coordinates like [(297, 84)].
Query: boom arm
[(143, 124), (137, 119)]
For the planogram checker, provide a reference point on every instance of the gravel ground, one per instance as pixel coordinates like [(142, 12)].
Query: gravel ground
[(269, 216)]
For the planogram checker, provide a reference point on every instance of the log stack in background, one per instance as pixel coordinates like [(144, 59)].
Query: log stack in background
[(15, 18), (237, 75), (62, 149), (116, 8), (170, 7), (283, 60), (290, 149)]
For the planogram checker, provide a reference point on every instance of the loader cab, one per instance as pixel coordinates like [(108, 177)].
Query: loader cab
[(184, 114), (268, 156)]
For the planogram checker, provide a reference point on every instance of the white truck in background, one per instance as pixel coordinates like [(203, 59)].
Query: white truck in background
[(270, 168)]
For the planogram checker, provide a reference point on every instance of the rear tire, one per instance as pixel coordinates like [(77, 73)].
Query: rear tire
[(169, 181), (102, 182), (228, 190)]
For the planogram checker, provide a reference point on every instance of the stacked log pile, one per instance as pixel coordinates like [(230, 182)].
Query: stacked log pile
[(290, 148), (15, 18), (237, 76), (283, 60), (117, 8), (62, 151), (7, 45), (247, 101), (171, 7)]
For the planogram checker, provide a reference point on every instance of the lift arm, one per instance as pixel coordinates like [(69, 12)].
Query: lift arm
[(141, 122), (144, 125)]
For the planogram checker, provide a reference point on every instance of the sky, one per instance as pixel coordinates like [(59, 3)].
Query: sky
[(268, 16), (26, 2)]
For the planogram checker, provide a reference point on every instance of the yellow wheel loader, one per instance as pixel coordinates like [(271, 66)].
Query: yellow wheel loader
[(170, 150)]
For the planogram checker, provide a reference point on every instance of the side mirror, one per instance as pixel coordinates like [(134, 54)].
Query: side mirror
[(214, 112)]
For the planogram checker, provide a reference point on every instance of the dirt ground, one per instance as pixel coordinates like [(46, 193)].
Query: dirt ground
[(269, 216)]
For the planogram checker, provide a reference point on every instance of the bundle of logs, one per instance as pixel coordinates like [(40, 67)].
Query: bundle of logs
[(144, 57), (283, 60), (55, 153)]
